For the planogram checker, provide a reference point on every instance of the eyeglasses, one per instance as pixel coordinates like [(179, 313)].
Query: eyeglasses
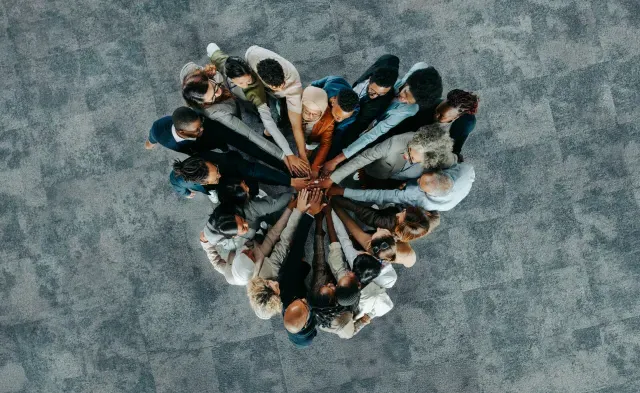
[(216, 87), (409, 155), (383, 246)]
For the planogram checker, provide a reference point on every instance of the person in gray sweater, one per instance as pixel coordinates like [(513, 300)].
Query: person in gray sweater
[(441, 190), (401, 157)]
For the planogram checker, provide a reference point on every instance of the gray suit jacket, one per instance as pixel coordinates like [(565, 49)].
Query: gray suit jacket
[(382, 161)]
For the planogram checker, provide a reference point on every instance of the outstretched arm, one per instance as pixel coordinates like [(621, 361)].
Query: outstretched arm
[(361, 236)]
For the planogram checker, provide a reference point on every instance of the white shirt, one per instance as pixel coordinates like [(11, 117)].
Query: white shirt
[(177, 137), (361, 88), (374, 300), (387, 277)]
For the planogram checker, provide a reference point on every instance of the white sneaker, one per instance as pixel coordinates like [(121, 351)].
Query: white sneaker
[(211, 48), (213, 197)]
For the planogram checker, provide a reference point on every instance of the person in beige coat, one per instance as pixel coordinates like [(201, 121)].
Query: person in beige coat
[(241, 266)]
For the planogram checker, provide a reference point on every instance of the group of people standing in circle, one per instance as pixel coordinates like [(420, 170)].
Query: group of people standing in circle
[(373, 164)]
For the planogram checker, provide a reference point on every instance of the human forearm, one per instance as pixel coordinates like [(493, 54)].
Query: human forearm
[(298, 134), (268, 175), (352, 227), (242, 129), (333, 236), (289, 266), (272, 128), (375, 196)]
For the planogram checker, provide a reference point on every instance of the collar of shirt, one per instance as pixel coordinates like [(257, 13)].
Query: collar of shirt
[(361, 89), (177, 137)]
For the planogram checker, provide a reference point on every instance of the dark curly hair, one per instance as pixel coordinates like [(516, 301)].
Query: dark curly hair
[(193, 169), (465, 100), (347, 100), (236, 67), (384, 77), (271, 72), (426, 86)]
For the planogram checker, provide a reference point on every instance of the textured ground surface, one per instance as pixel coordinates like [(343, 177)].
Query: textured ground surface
[(530, 285)]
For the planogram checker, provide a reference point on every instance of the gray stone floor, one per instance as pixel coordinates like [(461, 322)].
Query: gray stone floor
[(530, 285)]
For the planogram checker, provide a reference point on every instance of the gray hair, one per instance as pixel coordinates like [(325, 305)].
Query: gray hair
[(438, 183), (435, 145)]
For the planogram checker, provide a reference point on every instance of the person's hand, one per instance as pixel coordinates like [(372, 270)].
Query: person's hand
[(300, 183), (335, 190), (324, 182), (315, 173), (365, 319), (329, 167), (148, 145), (191, 195), (402, 186), (297, 166), (303, 200), (315, 202), (203, 238)]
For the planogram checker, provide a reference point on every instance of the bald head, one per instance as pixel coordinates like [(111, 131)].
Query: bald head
[(296, 316), (435, 183)]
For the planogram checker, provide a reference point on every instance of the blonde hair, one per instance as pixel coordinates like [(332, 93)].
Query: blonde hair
[(263, 299)]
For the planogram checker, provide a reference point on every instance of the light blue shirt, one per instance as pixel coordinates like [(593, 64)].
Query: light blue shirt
[(462, 175), (395, 113)]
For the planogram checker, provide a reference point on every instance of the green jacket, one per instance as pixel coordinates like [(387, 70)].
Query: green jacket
[(254, 92)]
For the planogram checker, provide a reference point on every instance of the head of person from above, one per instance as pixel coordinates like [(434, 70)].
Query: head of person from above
[(264, 297), (196, 170), (325, 304), (423, 87), (381, 82), (225, 221), (436, 183), (458, 103), (365, 269), (383, 245), (201, 90), (430, 146), (343, 104), (297, 315), (188, 123), (272, 73), (233, 192), (413, 223), (314, 102), (239, 71)]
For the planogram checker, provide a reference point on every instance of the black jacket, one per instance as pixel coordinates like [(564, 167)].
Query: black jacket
[(291, 279)]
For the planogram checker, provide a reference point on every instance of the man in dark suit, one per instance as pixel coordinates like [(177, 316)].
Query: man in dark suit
[(299, 318), (375, 90), (186, 132)]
